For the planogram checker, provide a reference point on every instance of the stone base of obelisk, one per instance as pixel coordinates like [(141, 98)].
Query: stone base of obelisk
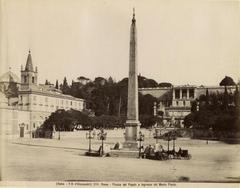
[(124, 153), (130, 148), (131, 135)]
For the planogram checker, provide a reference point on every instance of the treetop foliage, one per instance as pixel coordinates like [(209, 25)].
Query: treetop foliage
[(227, 81), (165, 84)]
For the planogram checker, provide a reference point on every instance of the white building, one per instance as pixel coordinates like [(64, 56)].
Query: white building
[(34, 104)]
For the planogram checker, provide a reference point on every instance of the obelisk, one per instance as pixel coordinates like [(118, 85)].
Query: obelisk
[(132, 124)]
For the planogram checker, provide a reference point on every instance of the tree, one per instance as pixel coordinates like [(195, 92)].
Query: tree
[(56, 85), (207, 97), (47, 82), (83, 78), (217, 114), (146, 103), (65, 88), (147, 120), (110, 80), (204, 119), (225, 98), (150, 83), (12, 90), (227, 81), (66, 120), (165, 84), (145, 82), (106, 97), (100, 81), (236, 97), (194, 106), (189, 120)]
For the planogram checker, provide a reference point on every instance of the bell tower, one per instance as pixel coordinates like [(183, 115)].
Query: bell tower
[(28, 75)]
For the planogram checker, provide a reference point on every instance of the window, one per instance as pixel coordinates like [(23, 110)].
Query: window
[(27, 127), (25, 79), (21, 98), (184, 93), (184, 103), (33, 125), (177, 93), (177, 103), (71, 103), (33, 80), (191, 93)]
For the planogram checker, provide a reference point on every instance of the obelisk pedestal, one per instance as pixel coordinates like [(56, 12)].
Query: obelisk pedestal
[(131, 135)]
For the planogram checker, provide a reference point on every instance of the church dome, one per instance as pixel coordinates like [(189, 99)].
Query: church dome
[(9, 76)]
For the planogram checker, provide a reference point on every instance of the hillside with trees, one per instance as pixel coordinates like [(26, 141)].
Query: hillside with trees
[(107, 99), (217, 112)]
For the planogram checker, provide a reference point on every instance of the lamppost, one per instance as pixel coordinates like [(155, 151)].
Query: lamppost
[(156, 134), (174, 137), (168, 139), (89, 136), (140, 139), (102, 135)]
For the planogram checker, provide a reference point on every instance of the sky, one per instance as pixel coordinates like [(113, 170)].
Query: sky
[(183, 42)]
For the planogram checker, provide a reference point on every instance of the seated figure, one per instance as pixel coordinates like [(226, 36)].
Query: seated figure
[(116, 146)]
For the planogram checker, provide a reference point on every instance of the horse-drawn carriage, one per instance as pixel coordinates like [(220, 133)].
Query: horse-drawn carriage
[(155, 155), (149, 153), (181, 154), (165, 155)]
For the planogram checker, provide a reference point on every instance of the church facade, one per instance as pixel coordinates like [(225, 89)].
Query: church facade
[(34, 104)]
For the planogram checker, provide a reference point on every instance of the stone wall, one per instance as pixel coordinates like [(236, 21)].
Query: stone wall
[(156, 92), (11, 118)]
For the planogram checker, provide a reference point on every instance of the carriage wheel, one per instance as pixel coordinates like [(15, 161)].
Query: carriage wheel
[(178, 157), (189, 157)]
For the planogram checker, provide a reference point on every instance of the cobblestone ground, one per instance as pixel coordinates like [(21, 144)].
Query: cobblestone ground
[(60, 160)]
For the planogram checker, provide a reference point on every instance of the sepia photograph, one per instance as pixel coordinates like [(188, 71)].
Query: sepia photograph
[(131, 93)]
